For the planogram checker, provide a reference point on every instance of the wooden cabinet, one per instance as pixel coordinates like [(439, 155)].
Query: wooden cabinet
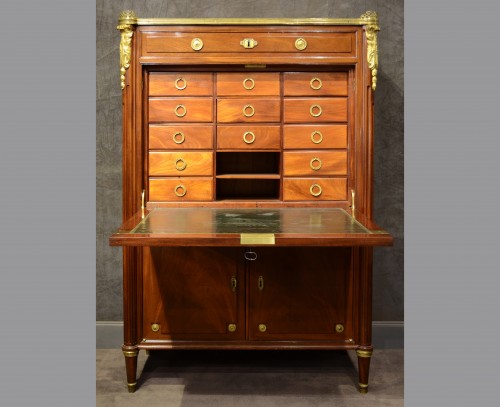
[(247, 184)]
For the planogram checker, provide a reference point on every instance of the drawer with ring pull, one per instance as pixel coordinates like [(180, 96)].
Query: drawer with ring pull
[(311, 110), (180, 137), (321, 189), (314, 136), (315, 84), (314, 163), (180, 84), (180, 110), (180, 189), (180, 163), (248, 110), (248, 137), (248, 84)]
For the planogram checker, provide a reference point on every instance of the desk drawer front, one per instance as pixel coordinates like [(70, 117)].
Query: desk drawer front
[(315, 136), (180, 137), (316, 189), (314, 163), (248, 110), (315, 84), (315, 110), (248, 137), (248, 84), (180, 163), (180, 84), (180, 110), (180, 189)]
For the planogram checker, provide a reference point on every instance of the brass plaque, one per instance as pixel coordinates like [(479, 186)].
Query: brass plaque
[(256, 238)]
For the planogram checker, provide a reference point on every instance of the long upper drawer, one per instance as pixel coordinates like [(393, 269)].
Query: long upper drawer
[(248, 42)]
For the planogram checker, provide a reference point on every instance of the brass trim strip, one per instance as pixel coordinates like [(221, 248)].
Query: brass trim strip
[(257, 238), (362, 385), (364, 353), (130, 353), (251, 21)]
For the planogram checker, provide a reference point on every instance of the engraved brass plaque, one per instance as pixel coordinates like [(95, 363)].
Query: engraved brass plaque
[(257, 238)]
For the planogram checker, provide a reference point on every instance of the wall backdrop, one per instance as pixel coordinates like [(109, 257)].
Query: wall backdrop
[(388, 262)]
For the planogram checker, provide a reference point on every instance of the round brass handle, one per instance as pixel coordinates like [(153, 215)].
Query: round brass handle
[(197, 44), (180, 164), (314, 166), (319, 110), (246, 140), (155, 327), (316, 83), (248, 87), (339, 328), (184, 111), (180, 87), (314, 139), (176, 138), (248, 114), (318, 191), (180, 190), (262, 328), (300, 44), (231, 327)]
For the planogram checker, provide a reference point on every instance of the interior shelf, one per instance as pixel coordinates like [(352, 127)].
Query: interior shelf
[(248, 176)]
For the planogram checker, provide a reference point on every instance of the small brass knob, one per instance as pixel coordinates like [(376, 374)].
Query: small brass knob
[(315, 110), (180, 190), (300, 44), (180, 86), (248, 111), (262, 328), (180, 110), (178, 137), (314, 139), (339, 328), (197, 44), (155, 327), (231, 327), (249, 137)]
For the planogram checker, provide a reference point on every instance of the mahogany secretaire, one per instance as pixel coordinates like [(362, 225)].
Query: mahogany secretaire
[(247, 184)]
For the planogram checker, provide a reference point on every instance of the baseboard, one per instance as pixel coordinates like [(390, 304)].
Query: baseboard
[(386, 334)]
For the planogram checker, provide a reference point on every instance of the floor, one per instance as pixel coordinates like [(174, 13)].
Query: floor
[(249, 378)]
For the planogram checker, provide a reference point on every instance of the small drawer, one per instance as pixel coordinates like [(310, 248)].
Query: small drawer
[(180, 137), (248, 84), (315, 136), (180, 110), (314, 163), (248, 137), (317, 189), (315, 110), (180, 163), (315, 84), (180, 84), (248, 110), (180, 189)]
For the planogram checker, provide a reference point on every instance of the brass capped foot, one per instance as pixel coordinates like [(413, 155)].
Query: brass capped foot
[(363, 388), (131, 387)]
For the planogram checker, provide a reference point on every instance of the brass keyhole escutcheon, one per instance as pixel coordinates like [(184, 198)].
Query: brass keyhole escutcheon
[(155, 327), (249, 137), (231, 327), (178, 137), (248, 83), (248, 43), (316, 83), (180, 86), (180, 110), (248, 111), (260, 283), (339, 328), (300, 44), (315, 190), (315, 110), (180, 190), (316, 137), (197, 44), (234, 283), (315, 164), (180, 164), (262, 328)]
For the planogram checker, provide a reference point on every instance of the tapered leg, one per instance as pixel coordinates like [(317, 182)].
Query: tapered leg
[(131, 366), (364, 357)]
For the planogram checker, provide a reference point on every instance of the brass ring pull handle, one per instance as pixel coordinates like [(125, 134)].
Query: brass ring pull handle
[(314, 139), (246, 81), (315, 164), (184, 111), (231, 327), (262, 327), (155, 327), (318, 191), (319, 110), (180, 190), (178, 137), (316, 83), (245, 138), (247, 113), (197, 44), (250, 256), (181, 165), (300, 44), (180, 87)]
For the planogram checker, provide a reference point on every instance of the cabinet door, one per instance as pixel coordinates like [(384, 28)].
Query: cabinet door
[(300, 294), (193, 293)]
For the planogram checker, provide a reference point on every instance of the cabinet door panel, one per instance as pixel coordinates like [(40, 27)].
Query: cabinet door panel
[(193, 293), (300, 294)]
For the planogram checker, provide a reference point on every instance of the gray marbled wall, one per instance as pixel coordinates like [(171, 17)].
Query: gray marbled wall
[(388, 262)]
